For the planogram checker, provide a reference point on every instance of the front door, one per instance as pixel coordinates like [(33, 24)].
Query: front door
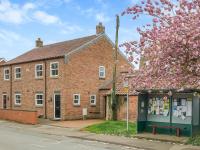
[(4, 101), (57, 113)]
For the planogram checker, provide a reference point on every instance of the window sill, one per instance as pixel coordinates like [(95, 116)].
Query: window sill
[(6, 80), (102, 78), (76, 105), (38, 78), (17, 79), (93, 105), (39, 106), (17, 105), (54, 77)]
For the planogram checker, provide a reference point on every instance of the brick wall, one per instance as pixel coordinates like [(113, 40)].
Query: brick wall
[(27, 117), (82, 76), (122, 112)]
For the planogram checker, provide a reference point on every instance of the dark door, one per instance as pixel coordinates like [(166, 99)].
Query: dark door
[(105, 111), (4, 101), (57, 106)]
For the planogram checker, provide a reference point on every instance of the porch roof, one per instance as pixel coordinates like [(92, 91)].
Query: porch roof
[(167, 90), (119, 85)]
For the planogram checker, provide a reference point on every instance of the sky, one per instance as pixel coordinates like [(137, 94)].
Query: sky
[(23, 21)]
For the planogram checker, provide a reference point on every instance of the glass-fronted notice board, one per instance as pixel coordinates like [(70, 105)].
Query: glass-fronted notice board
[(158, 106)]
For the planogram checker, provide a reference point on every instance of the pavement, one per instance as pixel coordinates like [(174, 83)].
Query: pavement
[(162, 137), (75, 124), (133, 143)]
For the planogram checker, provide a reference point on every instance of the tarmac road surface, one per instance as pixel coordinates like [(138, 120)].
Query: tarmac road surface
[(19, 139)]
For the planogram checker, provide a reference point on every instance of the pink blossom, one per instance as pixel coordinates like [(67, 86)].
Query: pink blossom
[(170, 45)]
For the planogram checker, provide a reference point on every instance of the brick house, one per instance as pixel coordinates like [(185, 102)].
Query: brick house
[(60, 80)]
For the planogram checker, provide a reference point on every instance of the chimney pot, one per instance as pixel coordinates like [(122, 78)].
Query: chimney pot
[(100, 28), (39, 43)]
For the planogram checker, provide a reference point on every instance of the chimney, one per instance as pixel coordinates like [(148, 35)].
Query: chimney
[(100, 28), (2, 61), (39, 43)]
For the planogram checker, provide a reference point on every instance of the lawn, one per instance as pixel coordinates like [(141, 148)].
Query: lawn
[(194, 140), (113, 128)]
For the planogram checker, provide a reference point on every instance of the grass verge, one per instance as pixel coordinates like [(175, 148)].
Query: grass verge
[(113, 128), (194, 140)]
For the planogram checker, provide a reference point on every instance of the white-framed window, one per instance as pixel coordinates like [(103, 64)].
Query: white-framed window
[(38, 70), (102, 72), (18, 74), (76, 99), (6, 74), (92, 99), (39, 99), (17, 99), (54, 66)]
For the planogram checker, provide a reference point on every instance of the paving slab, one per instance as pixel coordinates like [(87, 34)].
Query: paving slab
[(162, 137), (74, 124)]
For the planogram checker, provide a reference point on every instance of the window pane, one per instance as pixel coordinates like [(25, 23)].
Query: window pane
[(18, 70), (54, 72), (54, 66), (40, 102), (39, 67)]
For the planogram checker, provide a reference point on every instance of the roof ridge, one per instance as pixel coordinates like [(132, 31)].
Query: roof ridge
[(52, 49), (52, 44)]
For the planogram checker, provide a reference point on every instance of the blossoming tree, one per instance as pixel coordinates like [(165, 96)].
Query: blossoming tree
[(169, 45)]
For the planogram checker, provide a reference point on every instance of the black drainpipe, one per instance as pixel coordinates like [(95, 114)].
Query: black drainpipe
[(10, 86), (45, 88)]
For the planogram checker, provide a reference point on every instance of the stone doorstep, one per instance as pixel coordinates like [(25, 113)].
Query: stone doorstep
[(162, 137)]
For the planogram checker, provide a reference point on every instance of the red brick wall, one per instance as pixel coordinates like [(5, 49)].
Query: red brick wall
[(27, 117), (82, 76), (122, 112)]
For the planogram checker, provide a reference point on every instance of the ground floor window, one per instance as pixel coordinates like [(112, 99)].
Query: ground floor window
[(76, 99), (39, 99), (17, 99), (93, 100)]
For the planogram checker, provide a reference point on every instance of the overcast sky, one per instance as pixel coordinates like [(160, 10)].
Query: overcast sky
[(22, 21)]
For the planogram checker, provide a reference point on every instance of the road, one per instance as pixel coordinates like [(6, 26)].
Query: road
[(12, 138)]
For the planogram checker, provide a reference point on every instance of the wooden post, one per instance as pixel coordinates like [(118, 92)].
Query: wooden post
[(114, 101)]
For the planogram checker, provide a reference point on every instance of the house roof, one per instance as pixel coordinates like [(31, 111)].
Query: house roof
[(119, 85), (51, 51), (2, 59)]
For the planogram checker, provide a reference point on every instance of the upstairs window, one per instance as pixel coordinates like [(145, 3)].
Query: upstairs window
[(17, 99), (92, 99), (102, 72), (38, 71), (76, 99), (39, 99), (18, 73), (6, 74), (54, 69)]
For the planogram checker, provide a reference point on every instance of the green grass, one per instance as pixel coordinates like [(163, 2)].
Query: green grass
[(113, 128), (194, 140)]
